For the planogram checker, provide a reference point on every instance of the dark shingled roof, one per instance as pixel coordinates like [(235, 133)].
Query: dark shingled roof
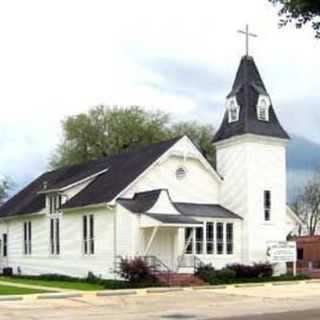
[(247, 87), (205, 210), (173, 218), (142, 202), (123, 169)]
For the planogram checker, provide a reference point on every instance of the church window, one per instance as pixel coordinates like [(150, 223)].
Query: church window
[(27, 237), (4, 245), (233, 110), (229, 235), (220, 237), (55, 236), (88, 234), (181, 173), (210, 237), (267, 205), (55, 203), (199, 240), (188, 235), (263, 108)]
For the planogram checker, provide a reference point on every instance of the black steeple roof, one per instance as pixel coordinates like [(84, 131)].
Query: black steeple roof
[(247, 87)]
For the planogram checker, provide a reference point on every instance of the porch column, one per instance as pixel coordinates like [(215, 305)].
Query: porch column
[(154, 231)]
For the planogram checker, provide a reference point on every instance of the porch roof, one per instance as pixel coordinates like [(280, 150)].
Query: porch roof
[(167, 220), (173, 218), (145, 203)]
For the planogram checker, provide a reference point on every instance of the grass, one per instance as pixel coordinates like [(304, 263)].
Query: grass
[(73, 285), (8, 290)]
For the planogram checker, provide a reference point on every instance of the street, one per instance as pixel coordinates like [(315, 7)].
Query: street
[(296, 315), (270, 302)]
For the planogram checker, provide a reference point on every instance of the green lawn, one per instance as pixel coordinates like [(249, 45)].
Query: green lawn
[(8, 290), (55, 284)]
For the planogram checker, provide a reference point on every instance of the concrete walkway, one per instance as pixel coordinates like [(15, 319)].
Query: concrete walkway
[(30, 286)]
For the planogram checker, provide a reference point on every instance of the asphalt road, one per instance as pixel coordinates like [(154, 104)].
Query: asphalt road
[(292, 301), (296, 315)]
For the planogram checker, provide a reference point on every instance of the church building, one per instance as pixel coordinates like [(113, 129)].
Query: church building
[(164, 202)]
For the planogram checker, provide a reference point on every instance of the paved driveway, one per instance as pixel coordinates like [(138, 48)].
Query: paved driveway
[(187, 304)]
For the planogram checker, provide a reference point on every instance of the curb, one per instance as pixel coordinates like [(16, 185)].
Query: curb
[(210, 287), (285, 283), (60, 296), (163, 290), (8, 298), (116, 293), (313, 281), (249, 285)]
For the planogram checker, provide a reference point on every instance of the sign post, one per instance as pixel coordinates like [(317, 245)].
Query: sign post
[(283, 252)]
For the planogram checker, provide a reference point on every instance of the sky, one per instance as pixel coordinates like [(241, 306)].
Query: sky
[(59, 58)]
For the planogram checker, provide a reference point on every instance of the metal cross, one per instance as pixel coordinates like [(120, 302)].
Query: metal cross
[(247, 34)]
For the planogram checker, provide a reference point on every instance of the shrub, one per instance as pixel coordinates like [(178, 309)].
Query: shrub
[(256, 270), (92, 278), (208, 274), (263, 269), (225, 274), (205, 272), (135, 270)]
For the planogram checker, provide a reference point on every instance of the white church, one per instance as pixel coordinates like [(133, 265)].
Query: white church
[(164, 202)]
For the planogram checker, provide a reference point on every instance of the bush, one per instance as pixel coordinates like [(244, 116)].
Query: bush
[(225, 274), (208, 274), (257, 270), (205, 272), (136, 270)]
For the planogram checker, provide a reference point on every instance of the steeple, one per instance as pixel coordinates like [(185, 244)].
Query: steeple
[(249, 108)]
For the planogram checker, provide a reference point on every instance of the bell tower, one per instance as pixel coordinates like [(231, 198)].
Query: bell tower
[(251, 158)]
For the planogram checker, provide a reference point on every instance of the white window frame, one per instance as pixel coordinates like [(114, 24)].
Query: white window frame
[(232, 106), (229, 240), (220, 242), (27, 238), (55, 236), (88, 235), (263, 108), (210, 241), (55, 202)]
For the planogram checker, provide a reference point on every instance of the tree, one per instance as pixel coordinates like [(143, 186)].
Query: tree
[(299, 12), (5, 186), (104, 131), (307, 204), (201, 135)]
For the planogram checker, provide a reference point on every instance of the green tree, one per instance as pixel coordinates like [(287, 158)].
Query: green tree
[(104, 131), (5, 186), (200, 134), (299, 12)]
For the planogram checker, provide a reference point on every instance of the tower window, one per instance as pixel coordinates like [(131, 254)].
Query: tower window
[(233, 110), (263, 108), (267, 205)]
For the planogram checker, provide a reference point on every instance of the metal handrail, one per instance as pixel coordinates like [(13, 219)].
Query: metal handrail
[(189, 261)]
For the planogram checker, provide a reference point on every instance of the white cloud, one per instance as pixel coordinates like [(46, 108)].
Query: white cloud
[(61, 57)]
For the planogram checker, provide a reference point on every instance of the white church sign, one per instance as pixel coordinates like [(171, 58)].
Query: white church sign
[(282, 251)]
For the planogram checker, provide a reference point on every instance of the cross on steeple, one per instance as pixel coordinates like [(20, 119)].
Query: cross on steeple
[(247, 34)]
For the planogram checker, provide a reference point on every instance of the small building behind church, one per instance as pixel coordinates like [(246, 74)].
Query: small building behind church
[(164, 202)]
